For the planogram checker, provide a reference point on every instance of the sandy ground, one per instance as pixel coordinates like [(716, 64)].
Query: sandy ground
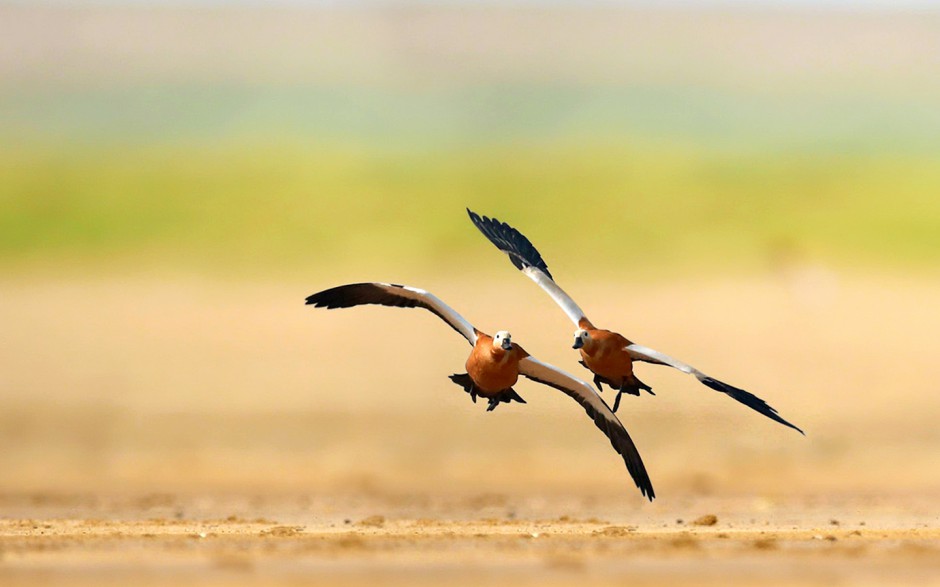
[(430, 539), (174, 431)]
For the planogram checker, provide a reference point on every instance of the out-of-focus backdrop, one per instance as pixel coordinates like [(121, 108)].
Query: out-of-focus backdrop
[(753, 189)]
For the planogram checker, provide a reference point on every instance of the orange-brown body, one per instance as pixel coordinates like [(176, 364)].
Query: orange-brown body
[(492, 368), (603, 353)]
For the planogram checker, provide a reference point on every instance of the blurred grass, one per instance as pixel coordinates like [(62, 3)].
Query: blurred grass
[(235, 140), (257, 204)]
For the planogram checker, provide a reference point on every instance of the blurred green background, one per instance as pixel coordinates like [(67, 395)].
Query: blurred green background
[(255, 140)]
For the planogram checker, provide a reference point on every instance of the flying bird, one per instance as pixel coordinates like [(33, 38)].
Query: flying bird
[(608, 355), (495, 363)]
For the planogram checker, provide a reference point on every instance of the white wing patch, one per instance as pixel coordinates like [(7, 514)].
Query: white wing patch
[(442, 310), (642, 353), (551, 288)]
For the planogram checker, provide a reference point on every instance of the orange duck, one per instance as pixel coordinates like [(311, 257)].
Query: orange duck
[(495, 363)]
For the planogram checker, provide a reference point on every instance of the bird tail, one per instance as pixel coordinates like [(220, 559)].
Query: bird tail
[(463, 380)]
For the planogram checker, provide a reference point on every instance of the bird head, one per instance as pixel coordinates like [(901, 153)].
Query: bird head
[(581, 337), (503, 340)]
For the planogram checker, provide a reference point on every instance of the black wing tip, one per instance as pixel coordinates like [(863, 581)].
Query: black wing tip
[(616, 433), (353, 294), (644, 483), (750, 400), (520, 249), (320, 299), (626, 448), (333, 297)]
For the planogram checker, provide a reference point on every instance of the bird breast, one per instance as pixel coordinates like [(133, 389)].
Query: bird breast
[(608, 359), (492, 370)]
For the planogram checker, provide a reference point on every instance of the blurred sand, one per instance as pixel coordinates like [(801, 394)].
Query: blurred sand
[(142, 413), (364, 538)]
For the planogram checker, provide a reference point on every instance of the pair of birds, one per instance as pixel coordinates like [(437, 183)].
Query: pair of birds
[(496, 362)]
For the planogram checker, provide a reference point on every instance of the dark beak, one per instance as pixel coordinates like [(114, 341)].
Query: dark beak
[(578, 343), (507, 344)]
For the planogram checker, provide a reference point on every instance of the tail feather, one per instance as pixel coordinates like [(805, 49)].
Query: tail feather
[(643, 386), (510, 395), (506, 396), (463, 380), (627, 387)]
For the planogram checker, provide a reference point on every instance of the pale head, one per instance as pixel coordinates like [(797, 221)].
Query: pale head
[(581, 337), (503, 340)]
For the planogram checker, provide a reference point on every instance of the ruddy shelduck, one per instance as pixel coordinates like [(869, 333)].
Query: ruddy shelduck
[(495, 363), (608, 355)]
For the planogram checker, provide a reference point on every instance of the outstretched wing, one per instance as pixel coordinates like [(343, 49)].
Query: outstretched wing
[(648, 355), (595, 407), (527, 259), (390, 294)]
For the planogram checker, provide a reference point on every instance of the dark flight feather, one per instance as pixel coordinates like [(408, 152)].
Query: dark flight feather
[(521, 251), (616, 433), (358, 294), (749, 399)]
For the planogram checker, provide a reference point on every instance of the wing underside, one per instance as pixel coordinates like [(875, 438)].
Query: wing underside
[(598, 411), (398, 296), (648, 355), (527, 259)]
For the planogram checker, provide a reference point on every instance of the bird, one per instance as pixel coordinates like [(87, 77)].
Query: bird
[(608, 355), (495, 363)]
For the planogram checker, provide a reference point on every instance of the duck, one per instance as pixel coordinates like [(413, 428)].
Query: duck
[(494, 364), (608, 355)]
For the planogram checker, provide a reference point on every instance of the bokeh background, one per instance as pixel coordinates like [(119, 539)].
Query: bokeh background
[(754, 188)]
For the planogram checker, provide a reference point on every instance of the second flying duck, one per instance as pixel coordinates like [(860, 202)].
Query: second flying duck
[(608, 355)]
